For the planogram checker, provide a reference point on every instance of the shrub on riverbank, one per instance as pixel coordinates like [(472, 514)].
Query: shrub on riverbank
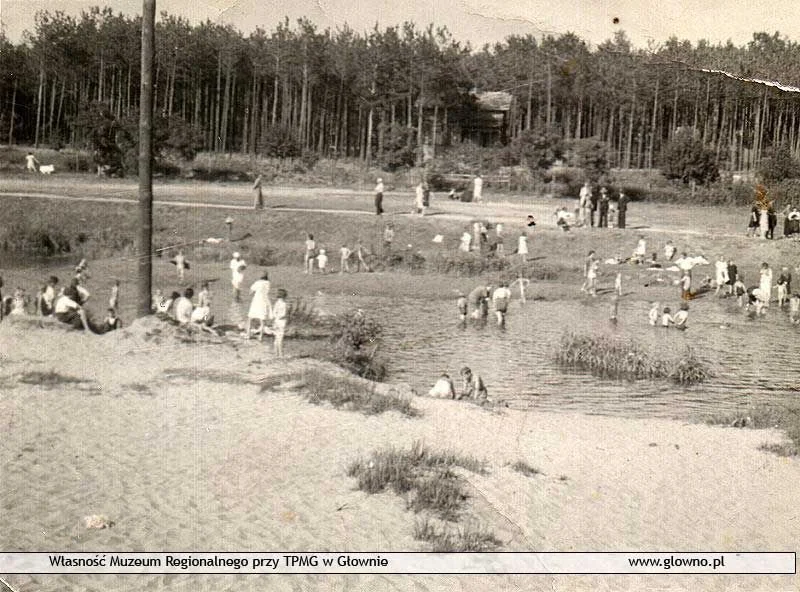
[(614, 358), (354, 395), (785, 417), (354, 345)]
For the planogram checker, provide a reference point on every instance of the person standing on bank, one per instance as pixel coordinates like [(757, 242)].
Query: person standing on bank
[(592, 207), (603, 208), (622, 209), (258, 196), (583, 203), (477, 188), (379, 197)]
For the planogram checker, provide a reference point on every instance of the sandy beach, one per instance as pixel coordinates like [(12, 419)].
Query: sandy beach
[(177, 445)]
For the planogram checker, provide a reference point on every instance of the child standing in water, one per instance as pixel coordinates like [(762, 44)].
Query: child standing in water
[(794, 308), (784, 286), (652, 316), (461, 304), (739, 290), (666, 318)]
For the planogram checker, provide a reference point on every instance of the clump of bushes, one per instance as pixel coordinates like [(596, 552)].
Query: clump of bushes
[(425, 477), (610, 357), (354, 345)]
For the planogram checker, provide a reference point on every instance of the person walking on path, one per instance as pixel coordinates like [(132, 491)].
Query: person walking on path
[(258, 196), (379, 197), (622, 209), (477, 188)]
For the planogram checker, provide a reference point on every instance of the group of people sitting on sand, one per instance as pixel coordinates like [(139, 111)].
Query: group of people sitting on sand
[(64, 303)]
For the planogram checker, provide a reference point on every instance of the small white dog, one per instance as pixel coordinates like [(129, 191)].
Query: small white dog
[(47, 169)]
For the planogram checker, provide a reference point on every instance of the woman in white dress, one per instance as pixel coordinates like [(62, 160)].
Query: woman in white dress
[(765, 284), (260, 306)]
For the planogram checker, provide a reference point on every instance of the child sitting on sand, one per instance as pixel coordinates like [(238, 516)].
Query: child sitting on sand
[(443, 388), (111, 322), (473, 386)]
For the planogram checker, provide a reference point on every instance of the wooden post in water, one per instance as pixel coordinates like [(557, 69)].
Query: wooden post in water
[(144, 238)]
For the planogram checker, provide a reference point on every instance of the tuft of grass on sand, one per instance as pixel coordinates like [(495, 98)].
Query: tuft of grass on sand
[(463, 539), (343, 392), (610, 357), (49, 379), (139, 388), (784, 417), (524, 468), (424, 476)]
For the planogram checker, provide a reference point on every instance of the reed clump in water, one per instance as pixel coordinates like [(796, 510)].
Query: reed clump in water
[(614, 358)]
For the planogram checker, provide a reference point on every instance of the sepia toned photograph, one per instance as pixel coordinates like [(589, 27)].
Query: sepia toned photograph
[(452, 282)]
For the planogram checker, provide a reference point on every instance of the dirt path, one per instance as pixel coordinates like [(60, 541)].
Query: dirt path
[(505, 212)]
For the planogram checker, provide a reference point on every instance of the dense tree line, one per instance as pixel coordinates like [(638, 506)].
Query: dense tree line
[(298, 89)]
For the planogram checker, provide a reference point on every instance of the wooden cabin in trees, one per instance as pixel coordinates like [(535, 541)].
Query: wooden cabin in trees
[(488, 121)]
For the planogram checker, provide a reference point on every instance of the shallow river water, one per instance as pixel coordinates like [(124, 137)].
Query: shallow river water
[(753, 361)]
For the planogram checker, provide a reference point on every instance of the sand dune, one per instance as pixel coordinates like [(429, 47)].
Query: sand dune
[(211, 463)]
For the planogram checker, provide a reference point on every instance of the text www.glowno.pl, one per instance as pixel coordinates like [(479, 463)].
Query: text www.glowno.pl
[(673, 561)]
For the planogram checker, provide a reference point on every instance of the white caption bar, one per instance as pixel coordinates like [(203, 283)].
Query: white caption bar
[(399, 563)]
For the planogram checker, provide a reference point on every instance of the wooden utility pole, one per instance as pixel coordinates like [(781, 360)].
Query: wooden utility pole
[(144, 238)]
